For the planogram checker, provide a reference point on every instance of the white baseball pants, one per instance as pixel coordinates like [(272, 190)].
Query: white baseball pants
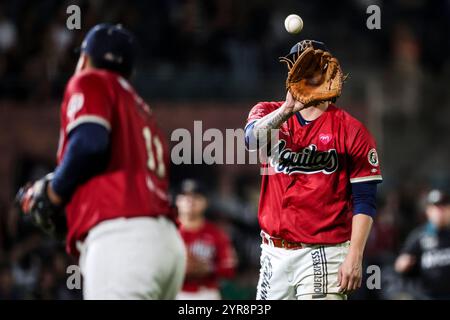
[(135, 258), (302, 274)]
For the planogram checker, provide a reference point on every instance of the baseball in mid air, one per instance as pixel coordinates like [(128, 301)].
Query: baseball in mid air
[(293, 23)]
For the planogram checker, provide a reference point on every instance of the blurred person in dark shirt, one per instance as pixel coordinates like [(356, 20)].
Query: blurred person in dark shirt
[(8, 290), (425, 256)]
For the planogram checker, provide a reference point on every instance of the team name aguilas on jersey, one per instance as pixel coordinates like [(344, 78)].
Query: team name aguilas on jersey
[(307, 160)]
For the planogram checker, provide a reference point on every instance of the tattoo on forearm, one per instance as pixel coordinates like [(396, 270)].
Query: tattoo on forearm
[(263, 127), (273, 120)]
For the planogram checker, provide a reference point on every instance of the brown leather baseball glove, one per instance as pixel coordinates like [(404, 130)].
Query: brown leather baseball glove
[(315, 76)]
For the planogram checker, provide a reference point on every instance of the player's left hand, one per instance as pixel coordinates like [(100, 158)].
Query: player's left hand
[(350, 273), (33, 201)]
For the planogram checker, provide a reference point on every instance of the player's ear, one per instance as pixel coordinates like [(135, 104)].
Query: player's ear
[(83, 62)]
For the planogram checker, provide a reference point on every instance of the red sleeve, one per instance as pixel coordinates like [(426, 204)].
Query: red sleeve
[(88, 100), (262, 109), (226, 260), (364, 162)]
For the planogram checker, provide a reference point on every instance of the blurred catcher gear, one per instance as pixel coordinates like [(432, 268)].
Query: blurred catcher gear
[(33, 202), (314, 74)]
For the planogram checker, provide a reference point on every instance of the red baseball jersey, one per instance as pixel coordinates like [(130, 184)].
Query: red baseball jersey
[(135, 182), (308, 198), (213, 246)]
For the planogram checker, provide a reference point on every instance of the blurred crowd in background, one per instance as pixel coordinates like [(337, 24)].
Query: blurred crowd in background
[(226, 51)]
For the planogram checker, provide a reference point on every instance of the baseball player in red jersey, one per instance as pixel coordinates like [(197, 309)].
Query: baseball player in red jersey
[(316, 210), (210, 254), (112, 178)]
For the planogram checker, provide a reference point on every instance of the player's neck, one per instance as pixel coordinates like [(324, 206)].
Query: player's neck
[(312, 113), (192, 224)]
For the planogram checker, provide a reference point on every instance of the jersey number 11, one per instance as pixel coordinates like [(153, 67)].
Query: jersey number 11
[(155, 163)]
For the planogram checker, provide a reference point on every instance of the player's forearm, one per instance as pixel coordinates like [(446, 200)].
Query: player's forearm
[(273, 120), (261, 131), (361, 226)]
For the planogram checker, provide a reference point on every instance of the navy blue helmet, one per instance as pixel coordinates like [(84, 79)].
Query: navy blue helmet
[(111, 47)]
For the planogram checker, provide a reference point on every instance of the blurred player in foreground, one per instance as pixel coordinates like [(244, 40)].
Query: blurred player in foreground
[(426, 254), (112, 179), (210, 253), (318, 187)]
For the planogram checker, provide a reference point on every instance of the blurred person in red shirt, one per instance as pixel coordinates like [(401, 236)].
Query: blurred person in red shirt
[(210, 254)]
